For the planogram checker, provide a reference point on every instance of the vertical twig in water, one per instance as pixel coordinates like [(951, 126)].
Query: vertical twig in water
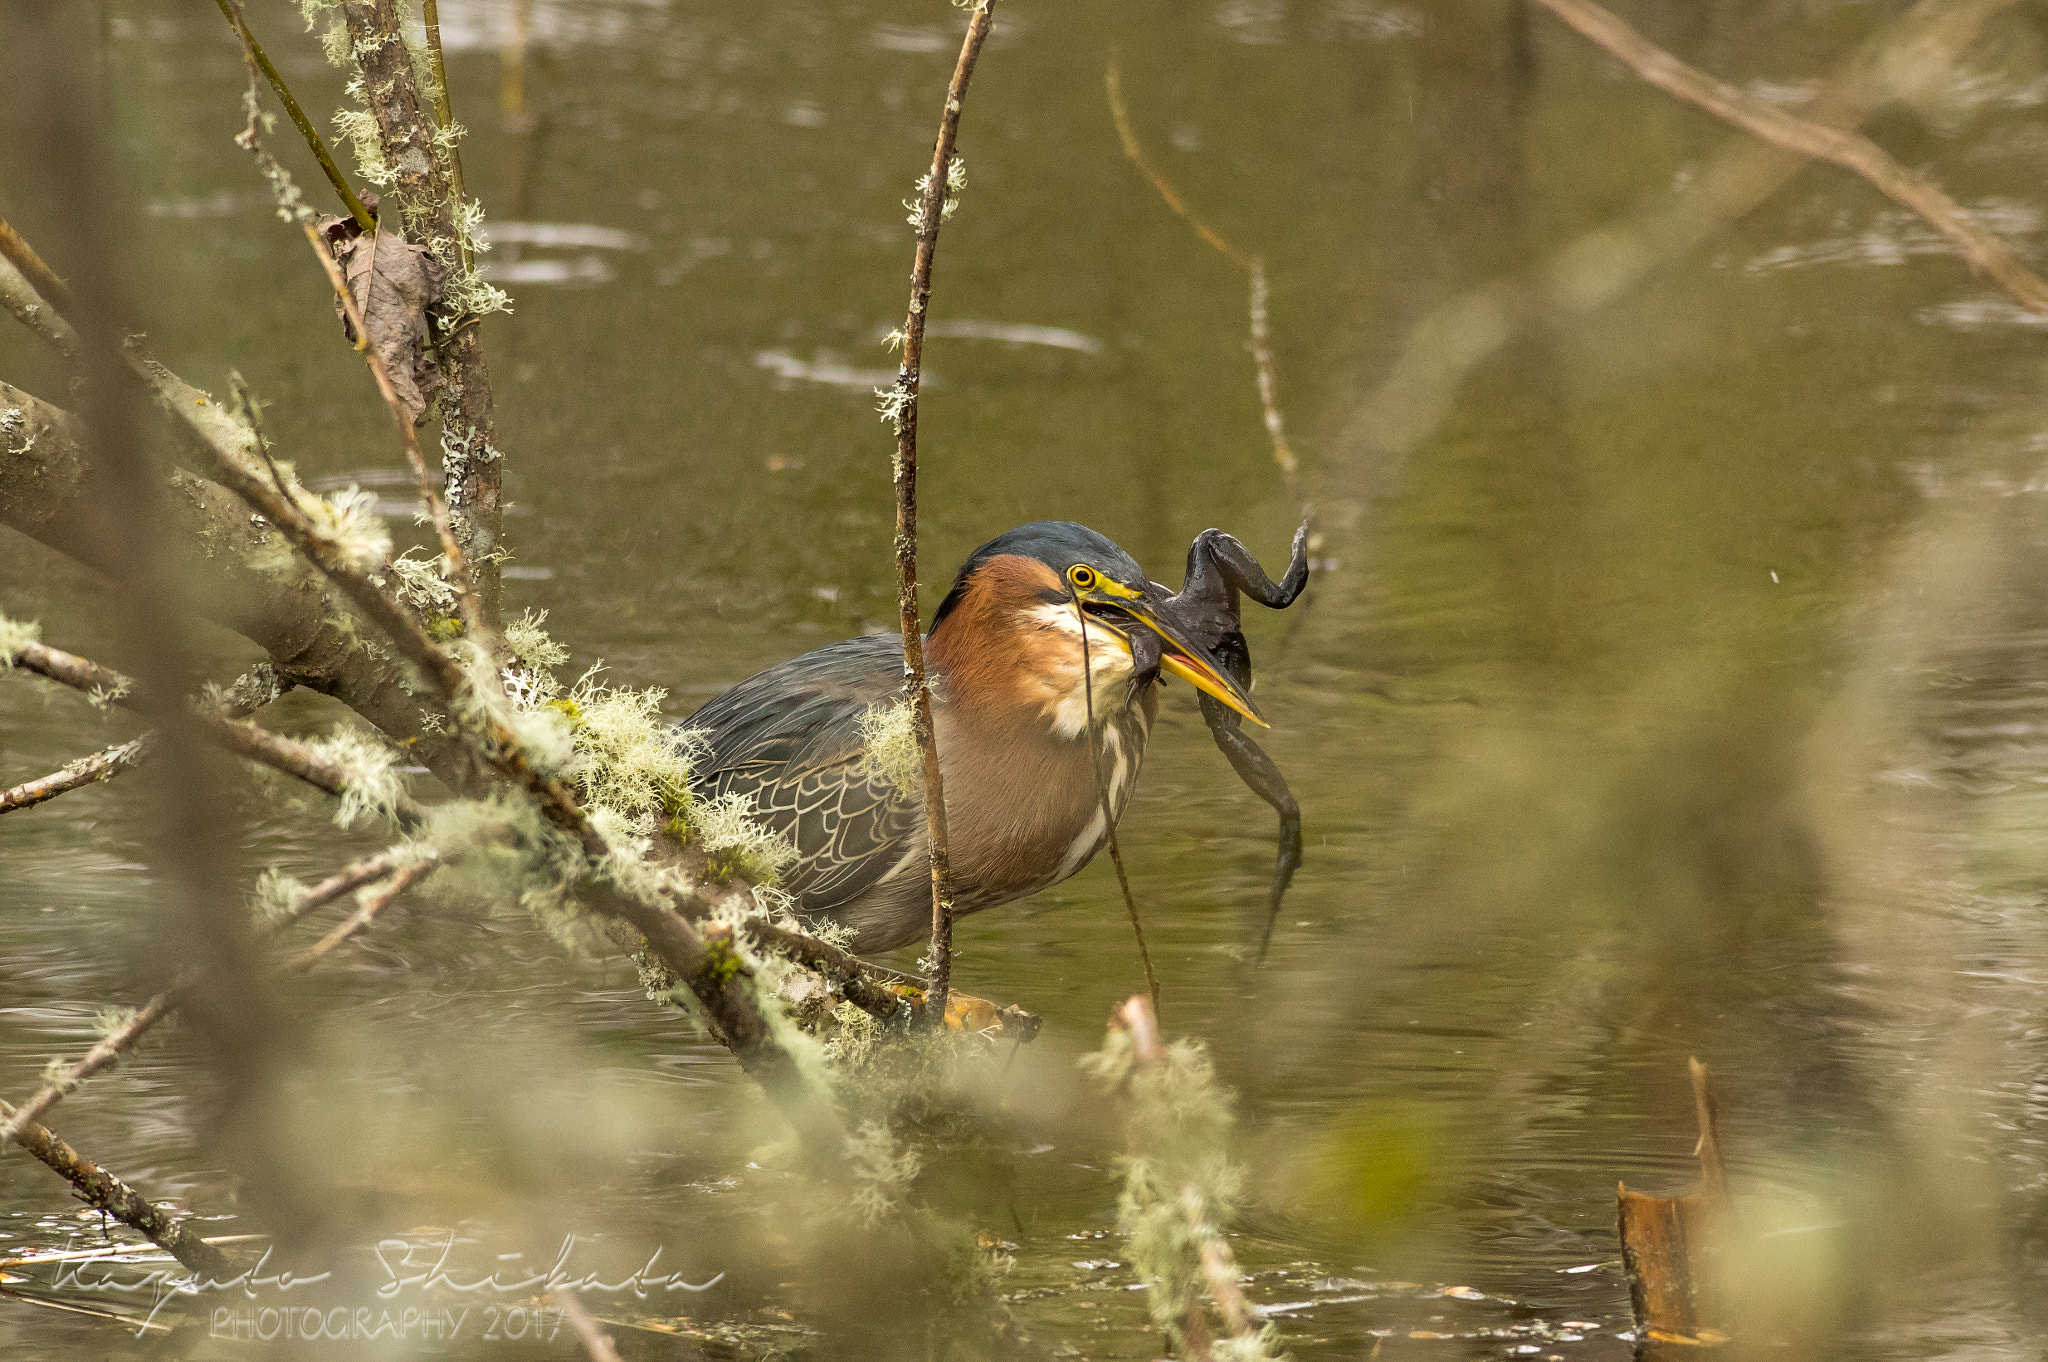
[(444, 114), (1254, 268), (900, 402)]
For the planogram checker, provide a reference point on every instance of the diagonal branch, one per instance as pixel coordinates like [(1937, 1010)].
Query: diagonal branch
[(900, 404), (240, 23), (87, 770), (103, 1191), (118, 1041), (1852, 151)]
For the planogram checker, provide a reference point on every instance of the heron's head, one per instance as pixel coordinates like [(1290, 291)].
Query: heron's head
[(1049, 570)]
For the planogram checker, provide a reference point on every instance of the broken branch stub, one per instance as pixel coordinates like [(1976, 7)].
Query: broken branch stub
[(1668, 1242)]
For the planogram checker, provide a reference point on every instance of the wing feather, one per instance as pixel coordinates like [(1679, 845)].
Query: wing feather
[(790, 739)]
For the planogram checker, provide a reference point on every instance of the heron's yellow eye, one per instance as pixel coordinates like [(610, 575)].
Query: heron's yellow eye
[(1082, 576)]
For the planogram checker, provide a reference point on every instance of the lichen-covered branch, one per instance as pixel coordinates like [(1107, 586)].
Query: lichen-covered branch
[(251, 581), (87, 770), (1179, 1185), (238, 736), (434, 216), (1850, 150), (317, 144), (935, 201)]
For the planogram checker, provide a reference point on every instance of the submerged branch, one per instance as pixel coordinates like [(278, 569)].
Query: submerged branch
[(1850, 150), (901, 405)]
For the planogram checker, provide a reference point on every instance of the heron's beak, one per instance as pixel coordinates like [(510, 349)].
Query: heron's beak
[(1182, 655)]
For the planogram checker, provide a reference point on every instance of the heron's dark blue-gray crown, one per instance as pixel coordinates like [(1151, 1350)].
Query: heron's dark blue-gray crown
[(1059, 544)]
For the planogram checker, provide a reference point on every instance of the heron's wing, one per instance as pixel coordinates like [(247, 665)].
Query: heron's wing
[(790, 739)]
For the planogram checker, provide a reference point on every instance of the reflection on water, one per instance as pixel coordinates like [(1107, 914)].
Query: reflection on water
[(1679, 687)]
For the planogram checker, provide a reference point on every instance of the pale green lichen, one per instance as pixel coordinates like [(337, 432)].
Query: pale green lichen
[(277, 896), (890, 749), (956, 180), (357, 128), (108, 1020), (370, 788), (735, 842), (349, 520), (853, 1037), (422, 583), (1180, 1184), (881, 1170), (625, 760), (528, 639), (15, 635)]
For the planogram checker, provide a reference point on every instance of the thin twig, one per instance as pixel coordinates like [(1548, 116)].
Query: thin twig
[(103, 1191), (88, 770), (367, 911), (901, 404), (19, 295), (241, 737), (596, 1342), (122, 1038), (254, 51), (1254, 268), (444, 114), (1852, 151), (40, 276), (1116, 855)]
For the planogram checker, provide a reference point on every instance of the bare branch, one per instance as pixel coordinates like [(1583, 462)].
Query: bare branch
[(240, 23), (20, 296), (1852, 151), (40, 276), (241, 737), (366, 913), (901, 406)]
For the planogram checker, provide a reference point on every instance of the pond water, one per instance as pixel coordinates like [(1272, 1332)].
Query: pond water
[(1676, 682)]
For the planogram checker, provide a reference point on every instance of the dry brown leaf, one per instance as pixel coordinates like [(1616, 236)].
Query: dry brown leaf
[(394, 283)]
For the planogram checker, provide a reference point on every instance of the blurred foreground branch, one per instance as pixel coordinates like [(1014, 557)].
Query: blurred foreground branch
[(1180, 1185), (1901, 63), (1850, 150)]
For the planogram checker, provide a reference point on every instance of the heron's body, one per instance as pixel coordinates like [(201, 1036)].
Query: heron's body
[(1011, 710)]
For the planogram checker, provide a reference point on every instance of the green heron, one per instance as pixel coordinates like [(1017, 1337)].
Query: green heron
[(1015, 698)]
